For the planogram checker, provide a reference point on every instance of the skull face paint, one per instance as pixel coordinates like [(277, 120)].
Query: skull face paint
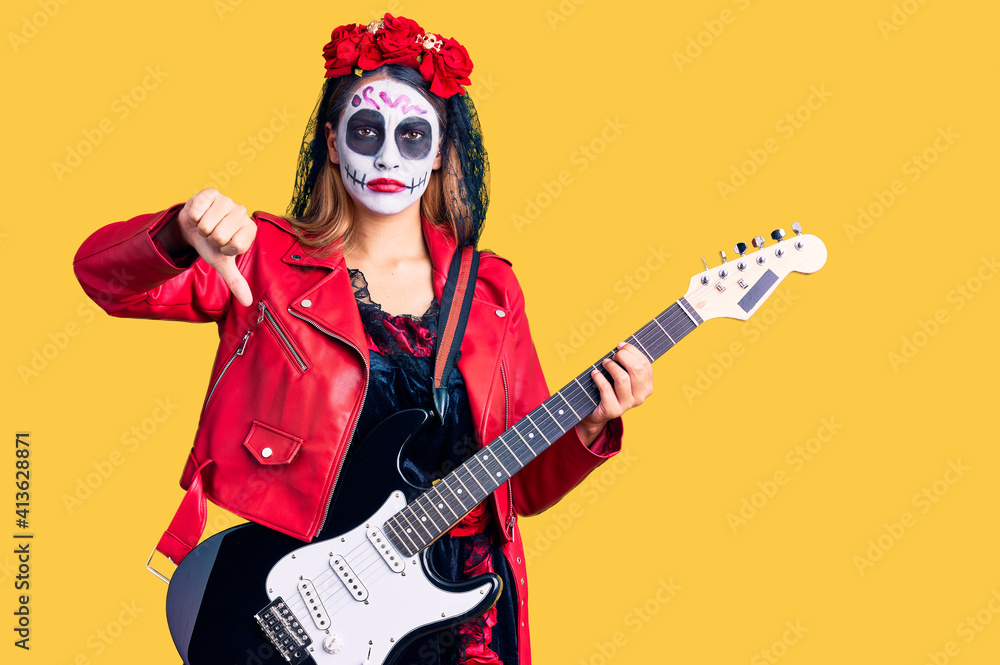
[(387, 141)]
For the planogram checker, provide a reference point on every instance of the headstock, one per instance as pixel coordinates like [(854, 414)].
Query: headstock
[(737, 288)]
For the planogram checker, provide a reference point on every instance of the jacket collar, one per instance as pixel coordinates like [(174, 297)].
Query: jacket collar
[(440, 245), (321, 303)]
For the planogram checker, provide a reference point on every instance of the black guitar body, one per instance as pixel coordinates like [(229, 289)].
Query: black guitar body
[(216, 590)]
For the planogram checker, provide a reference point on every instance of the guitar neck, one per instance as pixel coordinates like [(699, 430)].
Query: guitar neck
[(434, 512)]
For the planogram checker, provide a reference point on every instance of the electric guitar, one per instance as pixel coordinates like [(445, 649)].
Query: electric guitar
[(249, 595)]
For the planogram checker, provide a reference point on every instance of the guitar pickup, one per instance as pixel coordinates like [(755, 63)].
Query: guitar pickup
[(315, 605), (381, 544), (284, 631), (348, 577)]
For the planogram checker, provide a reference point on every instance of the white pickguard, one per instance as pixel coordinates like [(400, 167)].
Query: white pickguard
[(398, 603)]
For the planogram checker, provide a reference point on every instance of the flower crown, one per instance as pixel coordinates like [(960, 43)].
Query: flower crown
[(399, 41)]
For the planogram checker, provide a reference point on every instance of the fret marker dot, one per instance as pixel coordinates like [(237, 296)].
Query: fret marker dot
[(409, 531), (531, 435), (423, 519), (486, 456), (459, 491), (440, 505), (498, 474), (560, 412)]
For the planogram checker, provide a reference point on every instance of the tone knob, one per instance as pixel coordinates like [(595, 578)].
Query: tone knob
[(333, 643)]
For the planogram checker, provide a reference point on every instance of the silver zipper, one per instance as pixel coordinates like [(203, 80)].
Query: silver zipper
[(266, 313), (506, 399), (364, 395), (238, 352), (506, 426)]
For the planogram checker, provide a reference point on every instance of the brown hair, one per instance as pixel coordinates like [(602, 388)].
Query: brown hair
[(328, 216)]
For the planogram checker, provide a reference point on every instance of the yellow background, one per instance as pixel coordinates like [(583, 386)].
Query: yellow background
[(550, 77)]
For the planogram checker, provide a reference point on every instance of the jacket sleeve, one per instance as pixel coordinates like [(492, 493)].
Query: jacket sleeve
[(125, 269), (564, 464)]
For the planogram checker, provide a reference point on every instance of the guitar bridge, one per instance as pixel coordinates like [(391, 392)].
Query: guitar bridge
[(284, 631)]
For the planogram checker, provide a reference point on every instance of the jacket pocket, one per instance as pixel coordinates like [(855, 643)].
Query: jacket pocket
[(269, 445), (269, 320)]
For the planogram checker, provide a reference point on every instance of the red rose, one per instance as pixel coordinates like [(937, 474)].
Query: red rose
[(395, 44), (343, 50), (447, 69)]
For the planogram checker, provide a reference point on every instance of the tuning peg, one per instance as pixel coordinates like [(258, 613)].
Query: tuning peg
[(705, 278), (778, 234), (758, 241), (797, 228), (722, 253), (741, 247)]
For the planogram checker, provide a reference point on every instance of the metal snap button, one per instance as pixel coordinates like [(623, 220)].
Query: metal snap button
[(307, 303), (267, 452), (501, 313)]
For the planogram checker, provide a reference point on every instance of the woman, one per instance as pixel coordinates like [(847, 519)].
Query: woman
[(328, 322)]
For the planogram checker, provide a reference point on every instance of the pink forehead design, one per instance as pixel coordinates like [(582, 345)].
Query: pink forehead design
[(403, 102)]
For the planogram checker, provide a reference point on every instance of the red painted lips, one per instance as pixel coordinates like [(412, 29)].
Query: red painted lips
[(386, 185)]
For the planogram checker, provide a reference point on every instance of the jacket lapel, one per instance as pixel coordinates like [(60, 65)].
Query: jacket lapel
[(329, 302)]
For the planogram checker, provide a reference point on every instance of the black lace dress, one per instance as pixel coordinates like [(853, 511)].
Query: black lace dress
[(401, 352)]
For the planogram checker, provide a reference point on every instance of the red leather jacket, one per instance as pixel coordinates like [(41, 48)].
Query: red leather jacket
[(302, 344)]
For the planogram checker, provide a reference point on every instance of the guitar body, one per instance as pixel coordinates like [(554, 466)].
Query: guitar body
[(356, 599)]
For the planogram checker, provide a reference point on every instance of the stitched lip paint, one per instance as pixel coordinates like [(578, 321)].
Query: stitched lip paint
[(386, 185)]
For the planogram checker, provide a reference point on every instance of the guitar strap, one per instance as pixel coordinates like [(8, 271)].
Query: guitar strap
[(456, 301), (188, 524)]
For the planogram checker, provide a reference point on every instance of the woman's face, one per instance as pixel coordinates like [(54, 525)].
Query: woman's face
[(386, 143)]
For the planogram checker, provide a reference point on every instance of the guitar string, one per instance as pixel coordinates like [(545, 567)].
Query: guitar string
[(653, 341)]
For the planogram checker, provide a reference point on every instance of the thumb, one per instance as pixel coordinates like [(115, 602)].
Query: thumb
[(226, 267)]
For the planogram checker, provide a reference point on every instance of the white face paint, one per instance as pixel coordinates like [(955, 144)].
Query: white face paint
[(387, 142)]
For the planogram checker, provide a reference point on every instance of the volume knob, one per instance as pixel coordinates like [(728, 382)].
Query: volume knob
[(333, 643)]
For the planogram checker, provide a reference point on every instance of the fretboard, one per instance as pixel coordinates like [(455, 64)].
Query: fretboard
[(435, 511)]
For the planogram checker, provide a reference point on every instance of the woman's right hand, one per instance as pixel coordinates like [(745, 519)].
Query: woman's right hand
[(219, 230)]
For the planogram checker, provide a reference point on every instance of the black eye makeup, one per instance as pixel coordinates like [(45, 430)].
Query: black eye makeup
[(365, 132), (414, 138)]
